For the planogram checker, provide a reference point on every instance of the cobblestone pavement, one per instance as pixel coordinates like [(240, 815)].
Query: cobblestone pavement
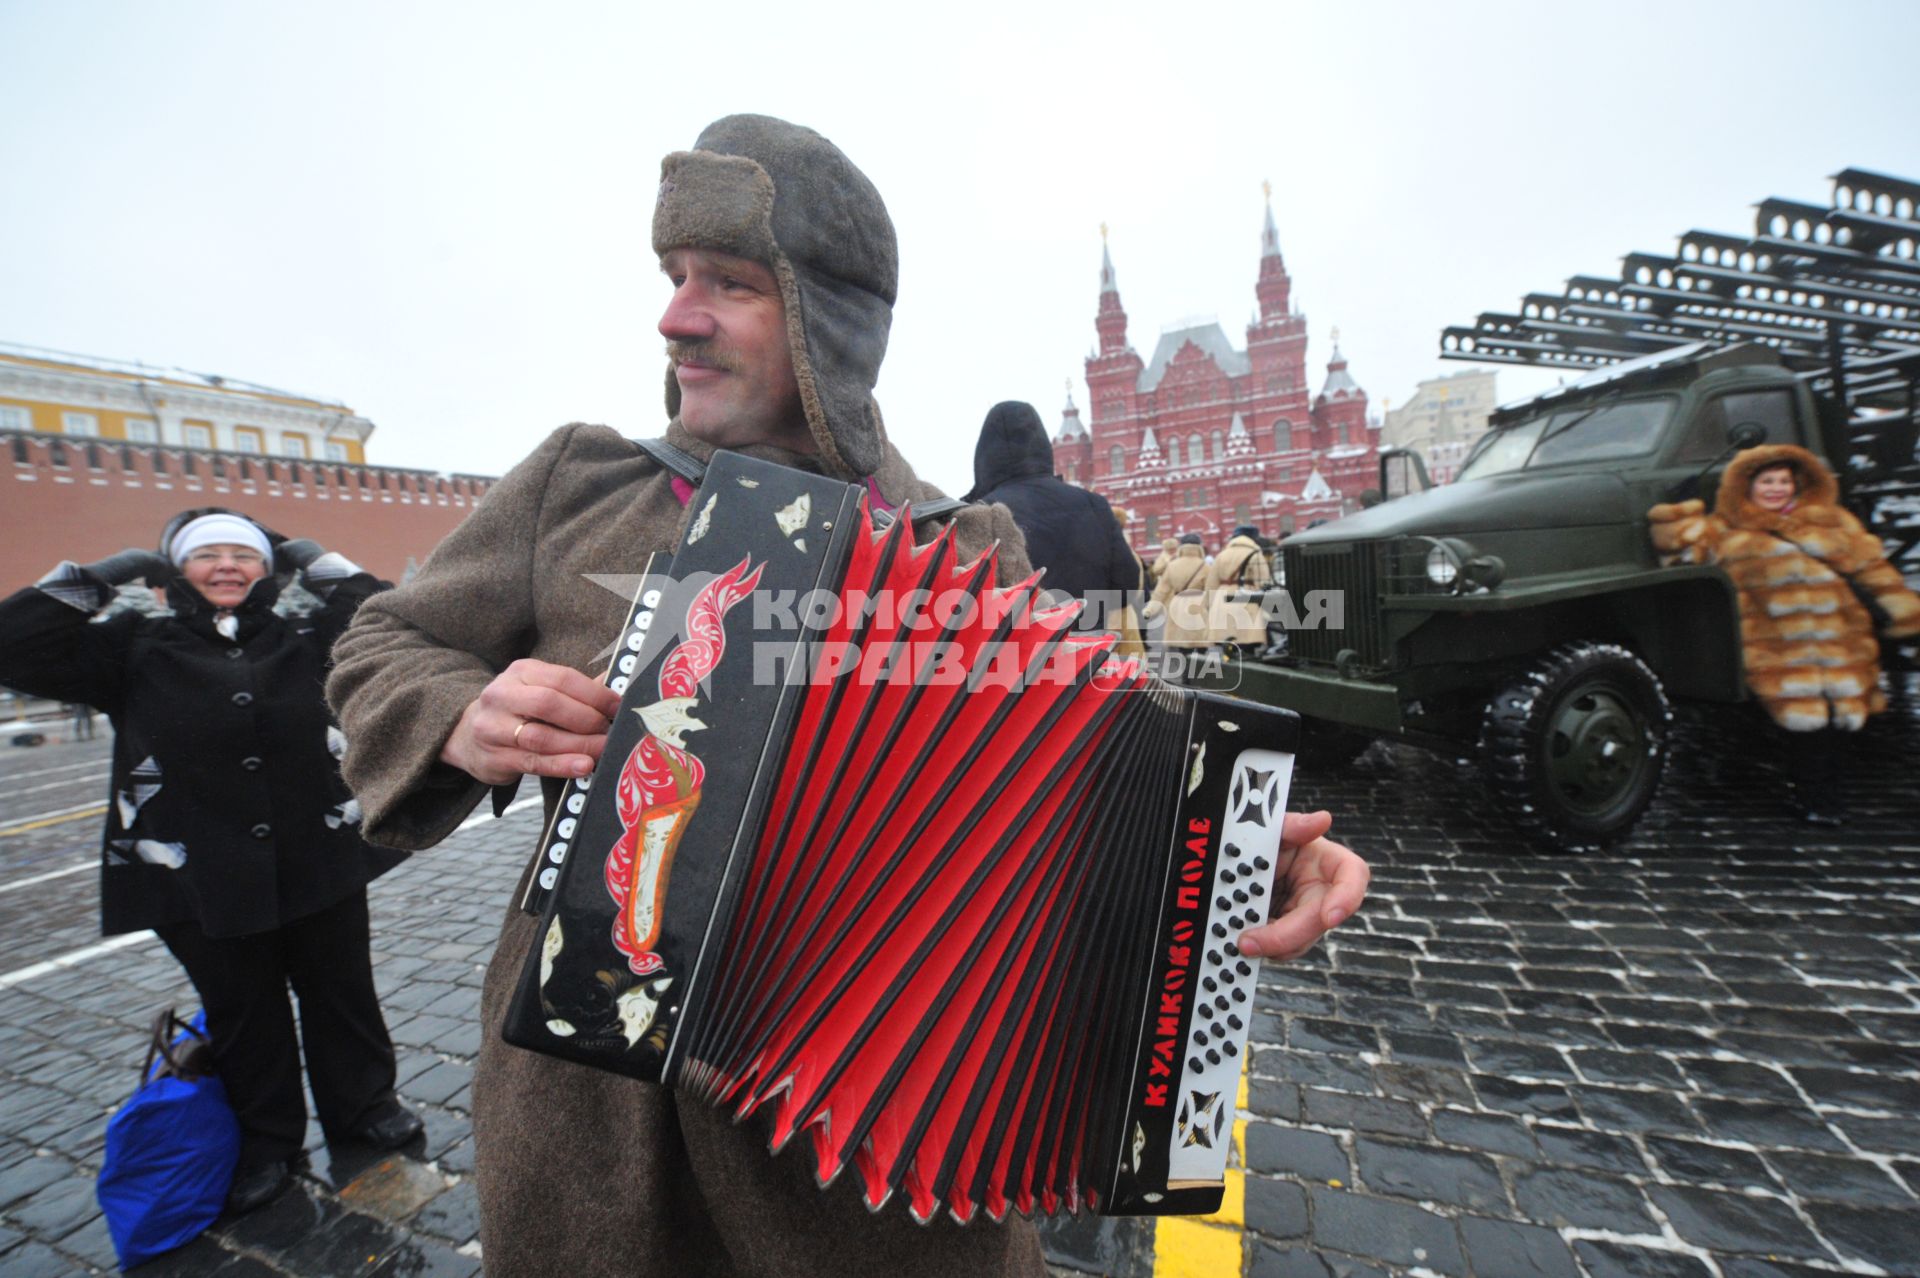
[(72, 1012), (1696, 1056)]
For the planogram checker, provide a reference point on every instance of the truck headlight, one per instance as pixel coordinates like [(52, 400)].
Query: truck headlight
[(1443, 566)]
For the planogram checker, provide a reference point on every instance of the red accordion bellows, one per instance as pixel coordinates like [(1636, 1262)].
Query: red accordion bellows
[(953, 897), (873, 1037)]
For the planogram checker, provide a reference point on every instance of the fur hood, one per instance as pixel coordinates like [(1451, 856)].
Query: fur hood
[(780, 194), (1816, 487)]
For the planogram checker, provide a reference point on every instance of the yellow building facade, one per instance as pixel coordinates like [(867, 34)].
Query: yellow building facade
[(1443, 420), (55, 393)]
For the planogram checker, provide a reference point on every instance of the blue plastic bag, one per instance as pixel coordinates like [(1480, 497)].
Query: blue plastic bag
[(171, 1151)]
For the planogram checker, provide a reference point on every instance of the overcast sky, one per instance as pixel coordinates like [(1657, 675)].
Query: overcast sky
[(438, 213)]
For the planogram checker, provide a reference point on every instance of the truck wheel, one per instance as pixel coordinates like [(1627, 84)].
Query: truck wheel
[(1329, 745), (1573, 749)]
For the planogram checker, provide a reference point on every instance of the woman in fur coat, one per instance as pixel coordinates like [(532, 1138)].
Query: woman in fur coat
[(1802, 564)]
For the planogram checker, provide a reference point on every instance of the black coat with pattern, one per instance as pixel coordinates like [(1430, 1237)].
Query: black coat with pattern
[(226, 805)]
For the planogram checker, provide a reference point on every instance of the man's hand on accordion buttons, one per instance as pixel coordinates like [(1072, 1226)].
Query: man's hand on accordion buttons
[(537, 718), (1318, 886)]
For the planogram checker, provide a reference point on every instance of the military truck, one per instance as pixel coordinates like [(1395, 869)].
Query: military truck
[(1519, 612)]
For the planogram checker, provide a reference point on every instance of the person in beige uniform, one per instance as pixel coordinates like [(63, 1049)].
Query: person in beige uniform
[(1179, 606), (782, 262), (1169, 546), (1241, 567)]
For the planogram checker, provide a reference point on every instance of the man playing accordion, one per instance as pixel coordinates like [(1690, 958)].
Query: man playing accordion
[(782, 261)]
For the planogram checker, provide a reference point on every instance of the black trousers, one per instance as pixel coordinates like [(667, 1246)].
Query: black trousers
[(243, 982)]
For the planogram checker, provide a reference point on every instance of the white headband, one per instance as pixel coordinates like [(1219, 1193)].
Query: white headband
[(218, 530)]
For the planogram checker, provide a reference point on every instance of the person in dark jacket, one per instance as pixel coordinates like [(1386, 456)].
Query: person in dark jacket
[(229, 831), (1070, 532)]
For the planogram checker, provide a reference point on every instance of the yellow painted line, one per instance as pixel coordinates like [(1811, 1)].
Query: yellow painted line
[(1183, 1247), (1241, 1106), (1209, 1246), (82, 815), (1233, 1203)]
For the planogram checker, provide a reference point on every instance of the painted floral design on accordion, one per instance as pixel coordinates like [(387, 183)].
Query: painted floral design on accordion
[(659, 786)]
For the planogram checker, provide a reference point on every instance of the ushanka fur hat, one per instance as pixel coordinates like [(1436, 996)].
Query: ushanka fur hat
[(782, 195)]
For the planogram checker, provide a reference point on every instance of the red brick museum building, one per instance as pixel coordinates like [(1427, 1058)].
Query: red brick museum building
[(1205, 436)]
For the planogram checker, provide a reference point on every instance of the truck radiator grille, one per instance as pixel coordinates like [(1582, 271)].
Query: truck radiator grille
[(1355, 571)]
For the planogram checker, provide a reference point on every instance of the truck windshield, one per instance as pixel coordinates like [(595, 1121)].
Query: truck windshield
[(1571, 435)]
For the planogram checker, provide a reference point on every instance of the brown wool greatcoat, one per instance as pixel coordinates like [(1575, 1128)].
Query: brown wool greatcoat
[(1807, 641), (582, 1172)]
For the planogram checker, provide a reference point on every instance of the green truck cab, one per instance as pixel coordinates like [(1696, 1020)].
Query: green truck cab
[(1520, 612)]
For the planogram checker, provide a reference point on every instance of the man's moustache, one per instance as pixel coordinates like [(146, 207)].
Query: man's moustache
[(701, 353)]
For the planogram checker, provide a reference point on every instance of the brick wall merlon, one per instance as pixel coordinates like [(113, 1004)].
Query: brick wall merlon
[(71, 498)]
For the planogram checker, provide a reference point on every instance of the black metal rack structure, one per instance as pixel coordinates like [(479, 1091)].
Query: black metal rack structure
[(1835, 290)]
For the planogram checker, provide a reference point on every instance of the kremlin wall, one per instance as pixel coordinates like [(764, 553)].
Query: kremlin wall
[(99, 454)]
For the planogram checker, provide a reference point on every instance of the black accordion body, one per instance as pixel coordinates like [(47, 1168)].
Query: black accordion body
[(903, 865)]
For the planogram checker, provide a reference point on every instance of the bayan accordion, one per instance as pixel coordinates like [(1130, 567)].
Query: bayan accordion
[(904, 865)]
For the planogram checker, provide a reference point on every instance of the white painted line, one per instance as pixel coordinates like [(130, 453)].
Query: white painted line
[(95, 779), (14, 822), (73, 958), (51, 874), (47, 772)]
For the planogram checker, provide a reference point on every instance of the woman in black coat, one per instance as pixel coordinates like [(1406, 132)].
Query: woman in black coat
[(229, 831)]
